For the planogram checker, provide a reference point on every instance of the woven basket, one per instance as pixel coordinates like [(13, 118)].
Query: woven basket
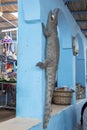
[(62, 97)]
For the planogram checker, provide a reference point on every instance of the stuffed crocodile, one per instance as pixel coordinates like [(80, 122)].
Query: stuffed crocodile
[(51, 62)]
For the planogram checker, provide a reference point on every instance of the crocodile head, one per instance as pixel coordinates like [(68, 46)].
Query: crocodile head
[(53, 18)]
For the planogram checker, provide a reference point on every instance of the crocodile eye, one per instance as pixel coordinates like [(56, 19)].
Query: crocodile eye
[(52, 17)]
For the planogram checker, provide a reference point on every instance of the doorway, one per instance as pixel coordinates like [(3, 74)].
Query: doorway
[(8, 58)]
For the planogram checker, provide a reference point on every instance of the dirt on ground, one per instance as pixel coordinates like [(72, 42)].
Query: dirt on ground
[(6, 114)]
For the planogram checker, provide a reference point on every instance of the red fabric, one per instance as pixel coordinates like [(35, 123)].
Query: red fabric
[(8, 66)]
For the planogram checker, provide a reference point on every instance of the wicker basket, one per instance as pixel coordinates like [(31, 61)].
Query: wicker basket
[(62, 97)]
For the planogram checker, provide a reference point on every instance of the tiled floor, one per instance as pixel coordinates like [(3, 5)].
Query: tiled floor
[(18, 124)]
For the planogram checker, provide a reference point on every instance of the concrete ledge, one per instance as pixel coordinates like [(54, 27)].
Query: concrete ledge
[(58, 121), (64, 117), (18, 124)]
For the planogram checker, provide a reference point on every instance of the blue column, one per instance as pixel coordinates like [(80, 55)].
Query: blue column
[(66, 68), (29, 79)]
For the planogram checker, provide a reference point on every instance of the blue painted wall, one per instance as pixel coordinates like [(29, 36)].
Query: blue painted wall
[(31, 49)]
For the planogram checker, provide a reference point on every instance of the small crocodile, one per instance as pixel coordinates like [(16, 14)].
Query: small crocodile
[(51, 61)]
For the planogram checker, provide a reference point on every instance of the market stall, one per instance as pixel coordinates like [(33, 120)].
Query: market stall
[(8, 69)]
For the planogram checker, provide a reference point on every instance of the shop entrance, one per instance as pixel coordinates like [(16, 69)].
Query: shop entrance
[(8, 58)]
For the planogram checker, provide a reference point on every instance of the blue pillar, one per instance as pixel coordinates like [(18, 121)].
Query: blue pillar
[(29, 79), (66, 68)]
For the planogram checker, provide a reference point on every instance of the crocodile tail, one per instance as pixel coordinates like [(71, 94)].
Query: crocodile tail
[(49, 93), (46, 118)]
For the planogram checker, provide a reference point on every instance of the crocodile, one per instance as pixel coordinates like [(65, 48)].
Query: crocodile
[(50, 64)]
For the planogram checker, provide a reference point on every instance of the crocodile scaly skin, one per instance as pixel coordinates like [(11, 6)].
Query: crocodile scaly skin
[(51, 61)]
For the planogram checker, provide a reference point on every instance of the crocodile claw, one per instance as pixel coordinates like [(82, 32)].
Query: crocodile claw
[(40, 64)]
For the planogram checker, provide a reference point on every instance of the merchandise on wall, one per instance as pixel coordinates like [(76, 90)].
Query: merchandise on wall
[(8, 72), (8, 60)]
